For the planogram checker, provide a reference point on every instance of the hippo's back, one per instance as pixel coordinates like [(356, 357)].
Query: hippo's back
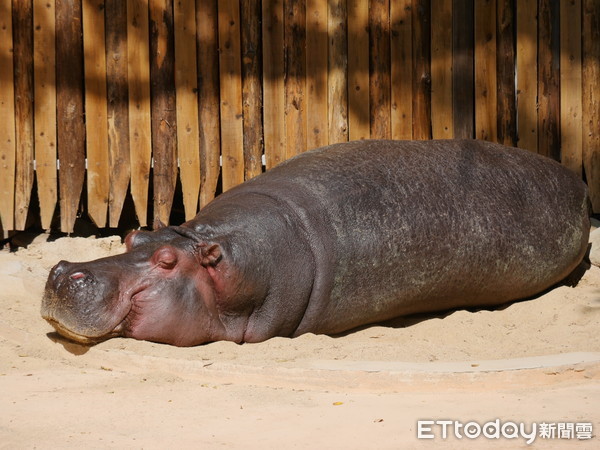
[(398, 227)]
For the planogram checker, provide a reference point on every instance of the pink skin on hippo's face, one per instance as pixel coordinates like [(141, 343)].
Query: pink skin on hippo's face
[(156, 291)]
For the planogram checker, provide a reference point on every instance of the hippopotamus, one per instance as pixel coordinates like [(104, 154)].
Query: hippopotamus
[(336, 238)]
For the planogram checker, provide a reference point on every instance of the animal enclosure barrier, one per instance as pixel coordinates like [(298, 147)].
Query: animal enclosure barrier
[(101, 98)]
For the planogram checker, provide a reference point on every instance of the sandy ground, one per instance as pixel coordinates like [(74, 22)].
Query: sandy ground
[(532, 362)]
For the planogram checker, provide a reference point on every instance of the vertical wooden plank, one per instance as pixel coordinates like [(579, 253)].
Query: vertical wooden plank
[(23, 71), (463, 83), (441, 69), (96, 120), (45, 107), (421, 19), (338, 71), (273, 85), (207, 37), (527, 75), (232, 132), (505, 63), (186, 84), (402, 73), (164, 109), (69, 108), (358, 70), (571, 134), (252, 87), (485, 70), (117, 94), (138, 61), (379, 69), (316, 74), (7, 124), (295, 76), (548, 79), (591, 99)]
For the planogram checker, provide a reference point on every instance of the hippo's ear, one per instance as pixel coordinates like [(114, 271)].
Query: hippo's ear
[(210, 253)]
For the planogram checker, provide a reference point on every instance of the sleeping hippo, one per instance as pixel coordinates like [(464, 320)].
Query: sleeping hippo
[(335, 238)]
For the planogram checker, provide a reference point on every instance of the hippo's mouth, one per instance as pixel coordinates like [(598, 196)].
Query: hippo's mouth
[(80, 338)]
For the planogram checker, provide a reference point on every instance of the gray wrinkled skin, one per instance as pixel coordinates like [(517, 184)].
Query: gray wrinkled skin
[(344, 236)]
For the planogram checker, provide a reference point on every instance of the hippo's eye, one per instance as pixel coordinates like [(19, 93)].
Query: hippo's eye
[(165, 257), (77, 276)]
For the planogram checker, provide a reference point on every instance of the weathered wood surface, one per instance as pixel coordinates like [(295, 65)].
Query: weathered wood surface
[(571, 125), (117, 93), (207, 42), (421, 21), (591, 96), (23, 73), (273, 82), (140, 130), (7, 124), (527, 75), (463, 82), (402, 69), (70, 110), (441, 69), (316, 74), (358, 70), (96, 111), (379, 69), (232, 131), (45, 108), (506, 93), (252, 87), (337, 71), (485, 70)]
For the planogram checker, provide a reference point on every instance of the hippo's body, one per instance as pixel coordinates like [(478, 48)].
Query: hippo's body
[(336, 238)]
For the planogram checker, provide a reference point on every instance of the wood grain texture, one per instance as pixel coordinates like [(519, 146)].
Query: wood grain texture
[(402, 73), (7, 124), (485, 71), (186, 85), (295, 76), (70, 109), (358, 70), (591, 96), (549, 79), (379, 69), (571, 124), (316, 74), (506, 70), (337, 82), (96, 116), (463, 82), (207, 42), (527, 75), (117, 93), (23, 72), (232, 132), (45, 108), (421, 20), (252, 88), (273, 82), (140, 131), (441, 69)]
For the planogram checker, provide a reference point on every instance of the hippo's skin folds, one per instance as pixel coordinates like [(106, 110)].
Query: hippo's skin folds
[(335, 238)]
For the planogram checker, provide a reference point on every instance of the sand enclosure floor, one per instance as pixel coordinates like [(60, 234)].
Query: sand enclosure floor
[(532, 361)]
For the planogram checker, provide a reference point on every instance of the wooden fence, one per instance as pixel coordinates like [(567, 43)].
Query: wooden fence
[(131, 96)]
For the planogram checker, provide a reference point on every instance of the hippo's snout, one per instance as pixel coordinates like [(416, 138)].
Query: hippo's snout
[(80, 302)]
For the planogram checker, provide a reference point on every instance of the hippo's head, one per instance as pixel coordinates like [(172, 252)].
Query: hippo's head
[(162, 289)]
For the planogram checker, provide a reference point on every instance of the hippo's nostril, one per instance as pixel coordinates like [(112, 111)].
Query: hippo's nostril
[(59, 269)]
